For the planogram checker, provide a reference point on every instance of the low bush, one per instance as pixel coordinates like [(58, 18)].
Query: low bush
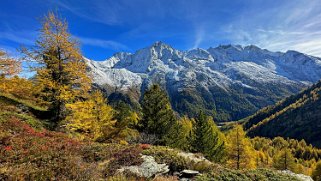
[(241, 175), (125, 157)]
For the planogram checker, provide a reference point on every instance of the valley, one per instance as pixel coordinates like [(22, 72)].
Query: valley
[(165, 90)]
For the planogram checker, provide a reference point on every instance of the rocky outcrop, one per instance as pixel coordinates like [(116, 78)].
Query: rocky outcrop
[(299, 176), (195, 158), (149, 168)]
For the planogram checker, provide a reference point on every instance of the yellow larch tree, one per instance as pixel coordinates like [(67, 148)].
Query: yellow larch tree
[(241, 154), (8, 65), (284, 160), (13, 85), (316, 174), (61, 72), (92, 118)]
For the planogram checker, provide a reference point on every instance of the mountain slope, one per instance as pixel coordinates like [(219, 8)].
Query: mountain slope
[(29, 151), (296, 117), (231, 80)]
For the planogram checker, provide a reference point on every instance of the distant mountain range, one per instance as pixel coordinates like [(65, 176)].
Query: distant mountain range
[(297, 117), (229, 82)]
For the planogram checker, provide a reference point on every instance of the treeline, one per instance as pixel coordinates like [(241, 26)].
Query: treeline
[(62, 87)]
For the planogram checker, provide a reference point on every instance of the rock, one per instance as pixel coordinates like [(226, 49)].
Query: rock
[(299, 176), (189, 173), (184, 179), (176, 174), (147, 169), (193, 157)]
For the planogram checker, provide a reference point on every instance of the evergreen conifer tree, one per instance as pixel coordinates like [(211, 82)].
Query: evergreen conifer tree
[(208, 139), (180, 134), (158, 116), (127, 121)]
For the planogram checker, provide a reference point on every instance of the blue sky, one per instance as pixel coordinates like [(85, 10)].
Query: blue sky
[(105, 27)]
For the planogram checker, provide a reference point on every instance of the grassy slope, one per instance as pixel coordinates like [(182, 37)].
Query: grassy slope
[(29, 151)]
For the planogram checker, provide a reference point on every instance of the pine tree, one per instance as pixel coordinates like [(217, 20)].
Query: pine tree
[(208, 139), (8, 66), (180, 134), (61, 73), (284, 160), (127, 121), (316, 174), (92, 118), (239, 149), (158, 116)]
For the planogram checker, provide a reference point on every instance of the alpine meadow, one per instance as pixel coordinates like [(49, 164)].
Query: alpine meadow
[(89, 90)]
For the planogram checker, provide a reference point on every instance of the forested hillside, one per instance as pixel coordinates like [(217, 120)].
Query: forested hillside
[(58, 126), (297, 117)]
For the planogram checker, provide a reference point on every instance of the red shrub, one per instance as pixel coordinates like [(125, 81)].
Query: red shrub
[(144, 146), (8, 148)]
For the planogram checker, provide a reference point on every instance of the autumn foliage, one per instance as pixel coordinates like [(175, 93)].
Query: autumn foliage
[(92, 118), (55, 126), (61, 73), (8, 66)]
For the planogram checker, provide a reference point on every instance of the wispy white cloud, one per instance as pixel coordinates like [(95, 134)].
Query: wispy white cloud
[(123, 12), (295, 25), (107, 44), (275, 25), (199, 36), (16, 39), (21, 37), (105, 12), (153, 19)]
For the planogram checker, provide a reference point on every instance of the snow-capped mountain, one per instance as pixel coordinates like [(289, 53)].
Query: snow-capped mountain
[(232, 80)]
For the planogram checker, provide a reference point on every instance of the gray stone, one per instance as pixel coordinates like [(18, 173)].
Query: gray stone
[(299, 176), (149, 168), (189, 173)]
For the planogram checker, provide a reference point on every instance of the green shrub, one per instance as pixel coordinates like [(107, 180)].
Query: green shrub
[(239, 175), (202, 166)]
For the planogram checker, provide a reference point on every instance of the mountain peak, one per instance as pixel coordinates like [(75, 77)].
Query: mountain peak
[(229, 46), (160, 44), (293, 52), (199, 53), (252, 47), (216, 72)]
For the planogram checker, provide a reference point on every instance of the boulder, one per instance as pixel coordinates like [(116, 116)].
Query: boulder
[(189, 173), (194, 157), (149, 168), (299, 176)]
